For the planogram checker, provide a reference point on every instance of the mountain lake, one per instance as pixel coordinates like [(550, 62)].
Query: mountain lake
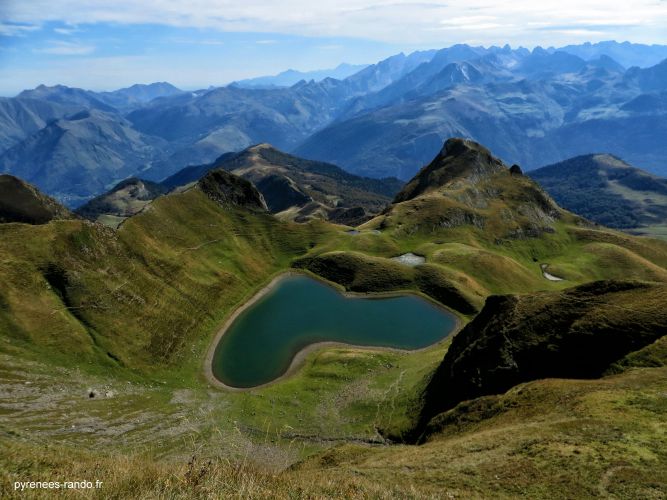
[(262, 340)]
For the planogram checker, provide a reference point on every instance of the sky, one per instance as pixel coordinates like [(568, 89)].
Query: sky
[(104, 45)]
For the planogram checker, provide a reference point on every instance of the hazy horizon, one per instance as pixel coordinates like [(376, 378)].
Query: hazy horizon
[(97, 46)]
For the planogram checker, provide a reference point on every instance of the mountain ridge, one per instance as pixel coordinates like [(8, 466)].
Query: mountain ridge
[(607, 190), (22, 202), (531, 107)]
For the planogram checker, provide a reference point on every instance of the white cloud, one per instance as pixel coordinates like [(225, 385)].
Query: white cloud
[(196, 41), (14, 29), (67, 49), (65, 31), (402, 21)]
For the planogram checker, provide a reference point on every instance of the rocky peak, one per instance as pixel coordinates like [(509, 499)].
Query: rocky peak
[(459, 160), (228, 189), (465, 185)]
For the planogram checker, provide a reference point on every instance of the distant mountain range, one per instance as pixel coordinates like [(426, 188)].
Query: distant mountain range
[(532, 108), (387, 120), (291, 77), (122, 99), (626, 53), (77, 156)]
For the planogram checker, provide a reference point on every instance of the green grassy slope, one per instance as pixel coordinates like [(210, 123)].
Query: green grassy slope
[(552, 438), (136, 297), (131, 313)]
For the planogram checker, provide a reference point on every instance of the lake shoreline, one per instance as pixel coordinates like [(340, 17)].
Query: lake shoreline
[(300, 357)]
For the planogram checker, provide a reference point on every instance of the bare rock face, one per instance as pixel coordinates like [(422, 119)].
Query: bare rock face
[(230, 190), (22, 202)]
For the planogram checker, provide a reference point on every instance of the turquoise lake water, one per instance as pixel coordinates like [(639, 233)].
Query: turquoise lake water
[(261, 343)]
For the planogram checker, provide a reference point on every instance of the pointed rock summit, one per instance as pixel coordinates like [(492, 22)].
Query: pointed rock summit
[(459, 160), (465, 185)]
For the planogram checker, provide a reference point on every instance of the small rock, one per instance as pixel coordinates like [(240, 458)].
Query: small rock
[(516, 170)]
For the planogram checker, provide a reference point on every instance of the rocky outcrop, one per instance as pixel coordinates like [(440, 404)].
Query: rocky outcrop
[(230, 190), (459, 159), (577, 333), (281, 193), (22, 202)]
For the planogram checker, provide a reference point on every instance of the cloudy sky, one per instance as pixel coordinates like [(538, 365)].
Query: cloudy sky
[(196, 43)]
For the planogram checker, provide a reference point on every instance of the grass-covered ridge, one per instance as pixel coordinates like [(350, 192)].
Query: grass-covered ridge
[(129, 314)]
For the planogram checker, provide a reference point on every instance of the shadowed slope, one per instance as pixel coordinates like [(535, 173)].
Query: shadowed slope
[(577, 333), (21, 202)]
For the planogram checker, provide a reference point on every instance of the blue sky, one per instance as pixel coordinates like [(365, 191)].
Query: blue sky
[(103, 45)]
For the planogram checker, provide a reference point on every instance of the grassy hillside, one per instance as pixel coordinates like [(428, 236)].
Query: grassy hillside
[(577, 333), (552, 438), (127, 315), (545, 439), (137, 295)]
